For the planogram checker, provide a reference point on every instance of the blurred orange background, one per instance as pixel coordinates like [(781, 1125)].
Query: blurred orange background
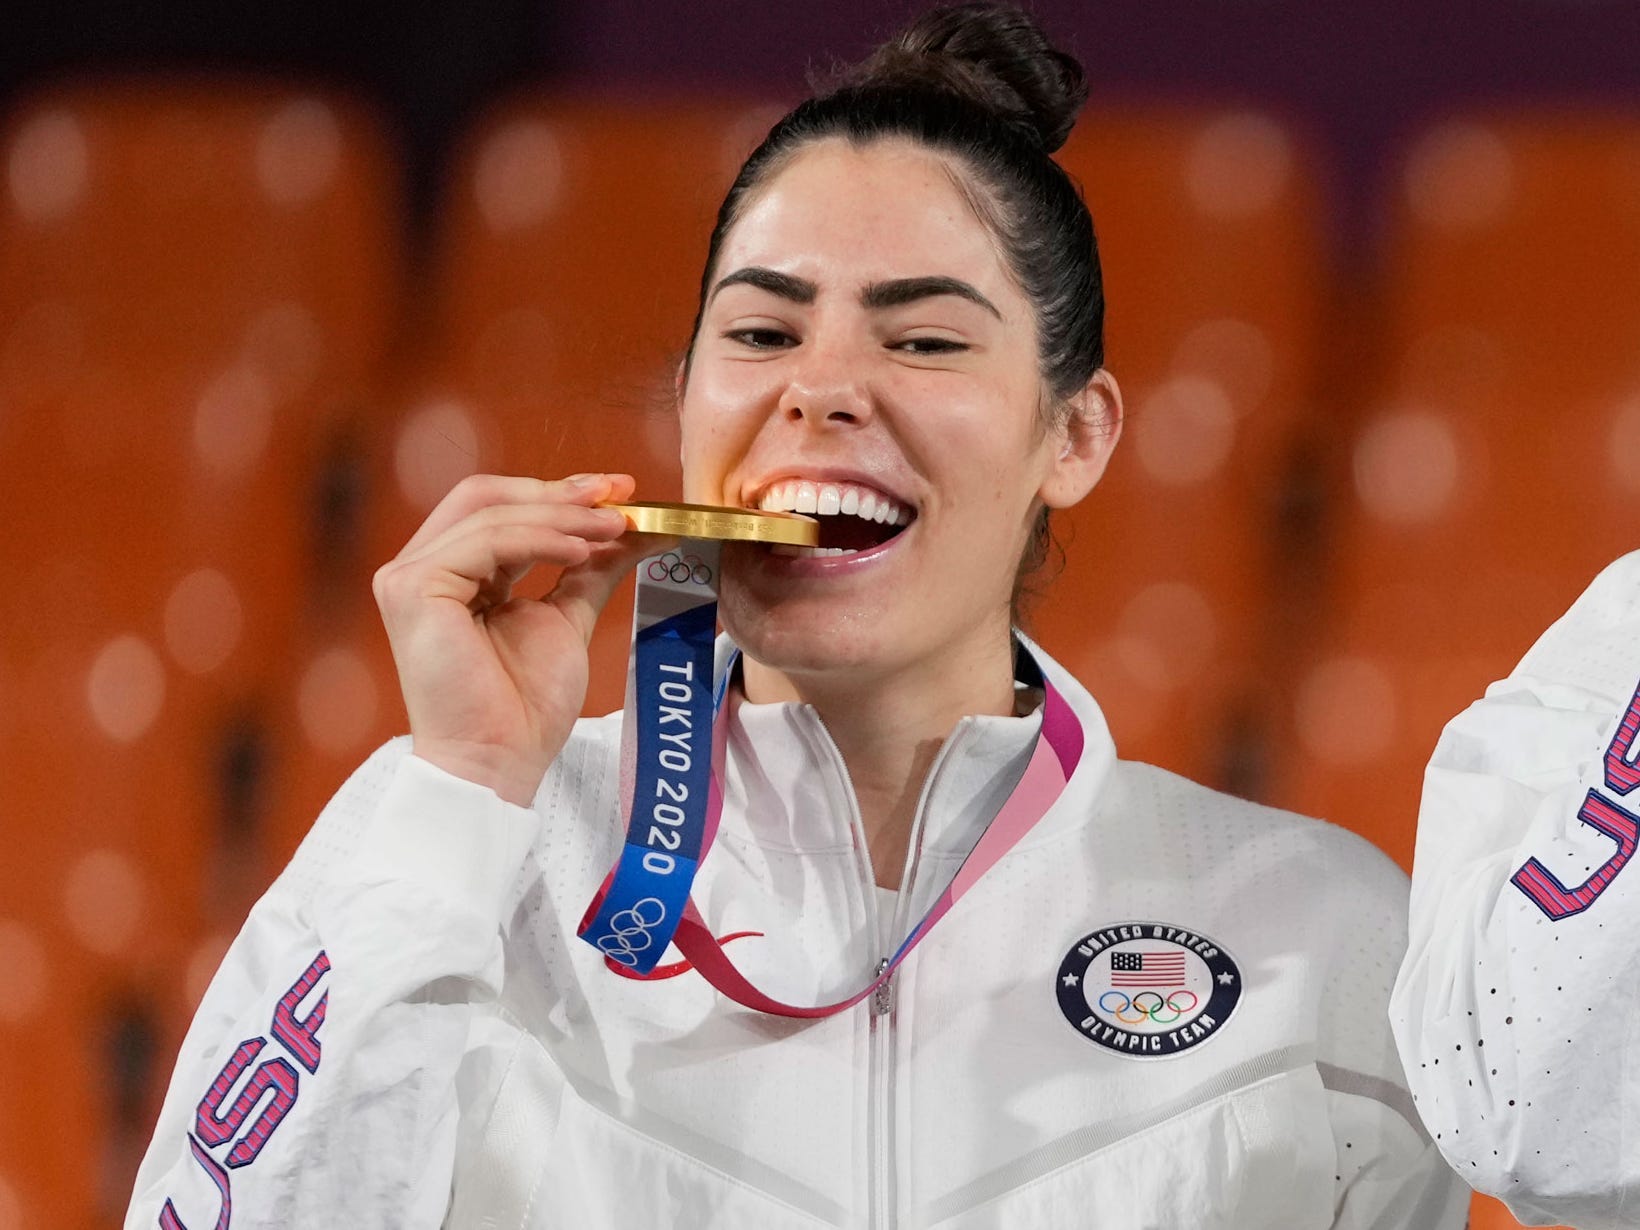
[(1378, 439)]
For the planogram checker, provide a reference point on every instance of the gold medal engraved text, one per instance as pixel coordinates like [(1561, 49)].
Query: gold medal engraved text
[(709, 521)]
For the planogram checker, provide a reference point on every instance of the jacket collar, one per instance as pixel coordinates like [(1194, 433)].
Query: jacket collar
[(786, 786)]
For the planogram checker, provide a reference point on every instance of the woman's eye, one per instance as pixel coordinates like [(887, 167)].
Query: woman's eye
[(931, 345), (761, 339)]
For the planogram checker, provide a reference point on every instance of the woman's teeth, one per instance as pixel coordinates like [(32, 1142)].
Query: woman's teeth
[(832, 500)]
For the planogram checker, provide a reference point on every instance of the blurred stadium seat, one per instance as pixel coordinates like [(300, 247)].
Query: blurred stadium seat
[(197, 288), (567, 278), (1210, 232), (1492, 473), (48, 1077), (156, 229), (121, 849), (340, 702), (198, 284)]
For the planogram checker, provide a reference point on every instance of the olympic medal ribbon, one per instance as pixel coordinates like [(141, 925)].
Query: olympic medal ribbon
[(666, 754), (668, 792)]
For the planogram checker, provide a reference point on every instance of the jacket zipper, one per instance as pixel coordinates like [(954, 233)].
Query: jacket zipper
[(880, 1194), (881, 1189), (884, 1014), (880, 1129)]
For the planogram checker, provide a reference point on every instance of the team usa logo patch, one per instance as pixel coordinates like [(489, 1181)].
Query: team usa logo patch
[(1147, 989)]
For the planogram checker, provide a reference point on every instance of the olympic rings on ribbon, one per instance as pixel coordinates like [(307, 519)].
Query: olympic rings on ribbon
[(1148, 1011), (628, 933), (679, 569)]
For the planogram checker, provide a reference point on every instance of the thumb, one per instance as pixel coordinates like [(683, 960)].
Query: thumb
[(583, 591)]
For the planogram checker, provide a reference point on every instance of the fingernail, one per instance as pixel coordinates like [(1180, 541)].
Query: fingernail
[(584, 480)]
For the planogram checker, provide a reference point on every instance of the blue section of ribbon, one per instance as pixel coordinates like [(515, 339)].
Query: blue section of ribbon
[(673, 699)]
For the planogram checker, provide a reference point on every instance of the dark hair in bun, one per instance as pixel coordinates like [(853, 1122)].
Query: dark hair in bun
[(982, 83), (996, 56)]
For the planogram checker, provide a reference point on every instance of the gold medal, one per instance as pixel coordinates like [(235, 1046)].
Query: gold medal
[(709, 521)]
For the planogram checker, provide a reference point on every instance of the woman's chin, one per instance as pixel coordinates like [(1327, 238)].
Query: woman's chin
[(803, 636)]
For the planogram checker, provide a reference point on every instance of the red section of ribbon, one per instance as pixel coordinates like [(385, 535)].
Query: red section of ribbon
[(676, 967)]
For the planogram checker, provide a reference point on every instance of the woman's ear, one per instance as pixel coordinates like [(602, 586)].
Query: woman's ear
[(1089, 433)]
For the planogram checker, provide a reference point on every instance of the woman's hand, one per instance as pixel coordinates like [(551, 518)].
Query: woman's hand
[(494, 683)]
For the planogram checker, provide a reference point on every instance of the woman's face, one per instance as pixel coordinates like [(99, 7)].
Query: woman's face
[(864, 350)]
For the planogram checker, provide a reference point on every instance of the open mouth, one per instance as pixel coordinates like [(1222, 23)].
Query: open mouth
[(853, 517)]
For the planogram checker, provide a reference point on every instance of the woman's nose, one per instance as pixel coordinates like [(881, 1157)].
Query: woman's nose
[(826, 390)]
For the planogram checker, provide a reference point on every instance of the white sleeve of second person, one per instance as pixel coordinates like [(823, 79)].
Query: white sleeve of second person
[(317, 1083), (1389, 1174), (1517, 1009)]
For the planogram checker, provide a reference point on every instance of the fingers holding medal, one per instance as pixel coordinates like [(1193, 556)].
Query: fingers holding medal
[(491, 530), (493, 682)]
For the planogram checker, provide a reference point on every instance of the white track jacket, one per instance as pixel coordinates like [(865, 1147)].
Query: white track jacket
[(1518, 1008), (1163, 1010)]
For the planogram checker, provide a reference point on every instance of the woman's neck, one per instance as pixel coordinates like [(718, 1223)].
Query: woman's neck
[(890, 728)]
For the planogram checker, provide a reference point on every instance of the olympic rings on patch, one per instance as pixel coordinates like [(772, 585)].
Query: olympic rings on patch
[(628, 933), (679, 569), (1121, 1008), (1152, 1012)]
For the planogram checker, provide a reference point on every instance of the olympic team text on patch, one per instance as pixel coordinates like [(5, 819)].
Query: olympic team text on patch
[(1147, 989)]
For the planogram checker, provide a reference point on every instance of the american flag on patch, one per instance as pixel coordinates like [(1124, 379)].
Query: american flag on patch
[(1147, 969)]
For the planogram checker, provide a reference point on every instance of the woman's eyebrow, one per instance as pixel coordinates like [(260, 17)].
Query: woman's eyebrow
[(906, 290), (887, 294), (798, 290)]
